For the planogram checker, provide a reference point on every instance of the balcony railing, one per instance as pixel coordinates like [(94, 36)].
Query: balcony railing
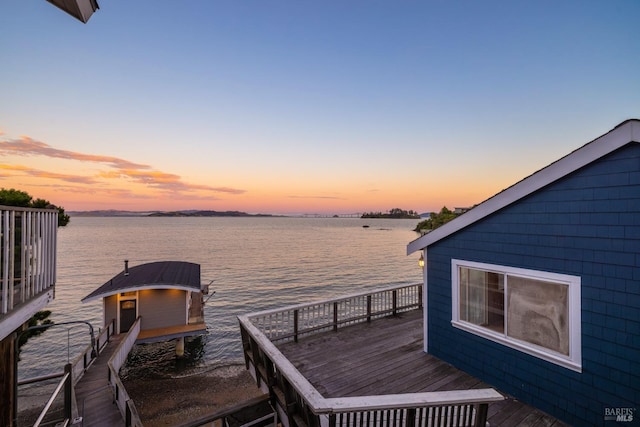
[(28, 239), (299, 403)]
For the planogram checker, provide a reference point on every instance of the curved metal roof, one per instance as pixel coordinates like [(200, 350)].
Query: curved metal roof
[(153, 275)]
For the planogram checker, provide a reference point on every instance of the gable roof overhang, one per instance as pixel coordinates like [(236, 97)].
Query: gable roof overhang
[(623, 134), (155, 275)]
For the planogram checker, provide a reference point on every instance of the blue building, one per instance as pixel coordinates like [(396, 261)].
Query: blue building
[(537, 290)]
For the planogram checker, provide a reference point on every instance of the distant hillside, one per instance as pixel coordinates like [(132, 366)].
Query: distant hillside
[(205, 213), (186, 213), (110, 212)]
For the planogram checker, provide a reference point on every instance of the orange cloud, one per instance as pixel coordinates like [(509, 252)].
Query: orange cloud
[(52, 175), (26, 146), (166, 181), (121, 169)]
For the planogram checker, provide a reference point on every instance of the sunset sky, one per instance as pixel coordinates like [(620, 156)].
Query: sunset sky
[(305, 106)]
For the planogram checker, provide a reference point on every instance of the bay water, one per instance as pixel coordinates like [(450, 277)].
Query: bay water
[(252, 263)]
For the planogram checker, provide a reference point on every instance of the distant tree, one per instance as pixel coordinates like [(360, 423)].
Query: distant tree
[(13, 197), (436, 220), (395, 213)]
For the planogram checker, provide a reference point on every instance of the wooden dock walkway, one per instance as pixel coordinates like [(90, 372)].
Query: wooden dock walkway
[(387, 357), (93, 395)]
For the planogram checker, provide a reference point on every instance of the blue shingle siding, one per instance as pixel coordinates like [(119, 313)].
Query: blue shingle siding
[(588, 225)]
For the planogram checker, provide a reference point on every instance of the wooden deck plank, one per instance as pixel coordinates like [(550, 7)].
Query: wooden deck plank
[(93, 395), (386, 357)]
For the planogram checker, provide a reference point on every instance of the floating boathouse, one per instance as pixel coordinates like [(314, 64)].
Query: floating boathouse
[(167, 296)]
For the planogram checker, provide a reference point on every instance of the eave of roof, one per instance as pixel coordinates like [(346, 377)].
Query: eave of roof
[(155, 275), (623, 134)]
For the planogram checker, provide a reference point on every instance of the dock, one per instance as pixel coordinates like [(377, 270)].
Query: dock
[(386, 357), (94, 398)]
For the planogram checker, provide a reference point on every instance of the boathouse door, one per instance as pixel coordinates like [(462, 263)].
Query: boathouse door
[(127, 314)]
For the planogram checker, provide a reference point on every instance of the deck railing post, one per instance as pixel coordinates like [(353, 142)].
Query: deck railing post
[(411, 417), (127, 414), (68, 390), (246, 345), (420, 296), (295, 325), (335, 316), (368, 308), (395, 301), (257, 360), (481, 414)]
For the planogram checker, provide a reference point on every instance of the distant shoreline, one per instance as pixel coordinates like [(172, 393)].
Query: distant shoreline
[(112, 213), (187, 213)]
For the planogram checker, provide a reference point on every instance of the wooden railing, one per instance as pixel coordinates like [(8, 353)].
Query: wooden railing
[(28, 239), (297, 400), (281, 325), (229, 416), (120, 395)]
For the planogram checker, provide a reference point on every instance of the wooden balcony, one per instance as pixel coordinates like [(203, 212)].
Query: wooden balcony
[(359, 360), (28, 239)]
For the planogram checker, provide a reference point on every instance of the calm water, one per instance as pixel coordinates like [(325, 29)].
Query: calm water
[(254, 263)]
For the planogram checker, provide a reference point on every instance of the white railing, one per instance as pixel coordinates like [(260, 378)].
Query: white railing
[(299, 403), (120, 395), (281, 325), (28, 240)]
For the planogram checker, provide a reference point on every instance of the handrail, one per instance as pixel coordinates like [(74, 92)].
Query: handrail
[(52, 398), (67, 384), (84, 360), (121, 397), (273, 370), (80, 364)]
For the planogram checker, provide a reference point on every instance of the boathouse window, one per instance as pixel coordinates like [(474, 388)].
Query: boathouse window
[(533, 311)]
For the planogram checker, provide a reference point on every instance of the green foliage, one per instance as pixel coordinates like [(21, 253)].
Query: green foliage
[(13, 197), (436, 220), (38, 319), (395, 213)]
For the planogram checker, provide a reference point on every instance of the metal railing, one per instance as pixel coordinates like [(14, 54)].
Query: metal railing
[(120, 395), (84, 360), (297, 400), (65, 385)]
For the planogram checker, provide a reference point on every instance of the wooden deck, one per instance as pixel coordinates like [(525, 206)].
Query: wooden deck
[(387, 357), (93, 396), (171, 332)]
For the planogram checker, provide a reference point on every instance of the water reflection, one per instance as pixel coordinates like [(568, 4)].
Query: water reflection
[(159, 360)]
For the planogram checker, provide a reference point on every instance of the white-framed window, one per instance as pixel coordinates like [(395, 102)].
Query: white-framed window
[(533, 311)]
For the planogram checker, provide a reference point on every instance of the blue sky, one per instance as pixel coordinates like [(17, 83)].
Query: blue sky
[(283, 106)]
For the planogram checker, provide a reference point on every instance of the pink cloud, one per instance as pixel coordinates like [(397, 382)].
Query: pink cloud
[(26, 146), (121, 168)]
